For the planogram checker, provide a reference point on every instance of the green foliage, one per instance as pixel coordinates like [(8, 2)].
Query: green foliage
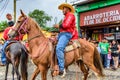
[(40, 16), (3, 25), (60, 22), (50, 29)]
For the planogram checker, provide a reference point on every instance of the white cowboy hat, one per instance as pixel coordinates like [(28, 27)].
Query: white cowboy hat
[(61, 6)]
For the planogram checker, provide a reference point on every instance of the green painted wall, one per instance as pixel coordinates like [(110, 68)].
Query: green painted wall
[(96, 5), (77, 23)]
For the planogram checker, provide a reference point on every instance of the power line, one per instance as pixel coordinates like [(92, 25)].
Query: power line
[(66, 1), (1, 1), (4, 7)]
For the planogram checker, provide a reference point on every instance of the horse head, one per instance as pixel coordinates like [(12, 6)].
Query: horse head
[(20, 27)]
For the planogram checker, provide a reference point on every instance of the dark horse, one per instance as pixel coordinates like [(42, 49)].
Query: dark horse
[(40, 50), (16, 54)]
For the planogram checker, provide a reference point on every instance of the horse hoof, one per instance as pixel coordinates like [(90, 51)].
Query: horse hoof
[(55, 73)]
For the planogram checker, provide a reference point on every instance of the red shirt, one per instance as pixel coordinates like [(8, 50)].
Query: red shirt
[(75, 35), (68, 25), (5, 34)]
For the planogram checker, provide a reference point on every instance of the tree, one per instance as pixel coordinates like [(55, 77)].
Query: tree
[(51, 29), (40, 16), (3, 25)]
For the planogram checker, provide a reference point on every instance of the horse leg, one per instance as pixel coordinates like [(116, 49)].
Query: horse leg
[(44, 74), (15, 64), (13, 72), (44, 70), (17, 72), (94, 63), (93, 68), (96, 71), (36, 72), (6, 72), (84, 69)]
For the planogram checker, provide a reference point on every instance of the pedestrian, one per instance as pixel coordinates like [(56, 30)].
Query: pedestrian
[(67, 32), (104, 46), (9, 18), (115, 50)]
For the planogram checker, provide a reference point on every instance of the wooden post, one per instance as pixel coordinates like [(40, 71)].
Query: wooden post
[(14, 10), (66, 1)]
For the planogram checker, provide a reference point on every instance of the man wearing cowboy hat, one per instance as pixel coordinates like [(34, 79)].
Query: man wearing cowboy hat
[(67, 31)]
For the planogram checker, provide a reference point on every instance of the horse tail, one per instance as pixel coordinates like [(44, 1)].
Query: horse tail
[(97, 62), (23, 60)]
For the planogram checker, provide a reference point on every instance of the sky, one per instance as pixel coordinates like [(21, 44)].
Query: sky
[(49, 6)]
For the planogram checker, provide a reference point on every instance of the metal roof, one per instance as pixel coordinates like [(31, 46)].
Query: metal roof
[(80, 2)]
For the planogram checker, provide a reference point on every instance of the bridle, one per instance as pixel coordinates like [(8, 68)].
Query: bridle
[(24, 29)]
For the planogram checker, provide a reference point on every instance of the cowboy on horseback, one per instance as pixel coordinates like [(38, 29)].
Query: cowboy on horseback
[(67, 32), (6, 38)]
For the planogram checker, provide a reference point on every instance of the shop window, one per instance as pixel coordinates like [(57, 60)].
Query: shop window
[(112, 30), (106, 30)]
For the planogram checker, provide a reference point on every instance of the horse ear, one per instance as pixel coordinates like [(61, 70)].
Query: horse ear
[(22, 13)]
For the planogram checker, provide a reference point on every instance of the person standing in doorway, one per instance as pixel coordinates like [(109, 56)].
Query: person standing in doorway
[(104, 46)]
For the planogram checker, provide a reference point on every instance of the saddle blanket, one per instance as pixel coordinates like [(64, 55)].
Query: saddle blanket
[(75, 44)]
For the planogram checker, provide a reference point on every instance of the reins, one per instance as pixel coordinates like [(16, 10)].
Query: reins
[(33, 37)]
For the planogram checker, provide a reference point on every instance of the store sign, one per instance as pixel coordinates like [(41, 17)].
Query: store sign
[(100, 16), (109, 36)]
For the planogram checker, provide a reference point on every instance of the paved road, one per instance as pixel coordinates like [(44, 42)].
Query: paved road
[(71, 75)]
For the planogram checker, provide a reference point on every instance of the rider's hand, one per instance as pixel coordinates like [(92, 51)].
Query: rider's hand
[(56, 25)]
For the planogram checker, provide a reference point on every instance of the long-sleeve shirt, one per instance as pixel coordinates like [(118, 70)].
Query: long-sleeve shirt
[(68, 25), (5, 34)]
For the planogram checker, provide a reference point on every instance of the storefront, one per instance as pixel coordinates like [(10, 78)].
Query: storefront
[(99, 22)]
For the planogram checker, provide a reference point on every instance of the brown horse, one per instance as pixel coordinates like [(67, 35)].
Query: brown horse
[(41, 54)]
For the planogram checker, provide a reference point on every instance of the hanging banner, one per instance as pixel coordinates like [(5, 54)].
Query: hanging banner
[(100, 16)]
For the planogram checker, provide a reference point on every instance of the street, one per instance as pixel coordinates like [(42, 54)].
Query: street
[(72, 74)]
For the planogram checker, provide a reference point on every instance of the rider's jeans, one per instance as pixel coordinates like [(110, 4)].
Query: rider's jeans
[(63, 39), (3, 55)]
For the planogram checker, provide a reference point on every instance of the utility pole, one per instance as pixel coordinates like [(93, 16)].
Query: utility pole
[(14, 10), (66, 1), (1, 0)]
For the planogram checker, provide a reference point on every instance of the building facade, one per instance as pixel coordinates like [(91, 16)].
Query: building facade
[(99, 19)]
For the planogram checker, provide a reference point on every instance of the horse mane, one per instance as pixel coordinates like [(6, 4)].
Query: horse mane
[(35, 24)]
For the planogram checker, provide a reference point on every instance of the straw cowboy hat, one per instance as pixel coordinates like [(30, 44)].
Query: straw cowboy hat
[(61, 6)]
